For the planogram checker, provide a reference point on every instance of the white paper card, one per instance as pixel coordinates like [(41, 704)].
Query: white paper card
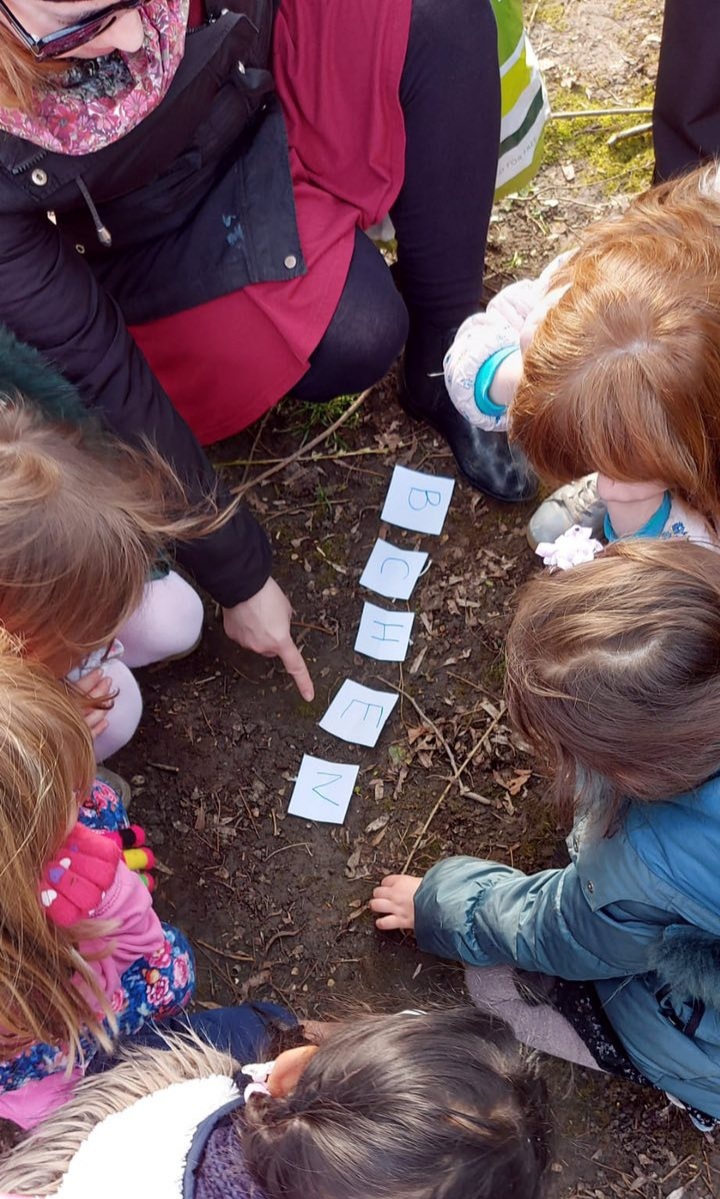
[(392, 572), (417, 501), (358, 714), (384, 635), (323, 790)]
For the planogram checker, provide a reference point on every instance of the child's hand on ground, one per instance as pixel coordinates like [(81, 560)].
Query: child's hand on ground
[(395, 897), (96, 686)]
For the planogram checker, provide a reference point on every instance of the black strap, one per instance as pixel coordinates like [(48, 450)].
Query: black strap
[(689, 1027)]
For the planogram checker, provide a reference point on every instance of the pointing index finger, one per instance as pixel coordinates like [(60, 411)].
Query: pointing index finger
[(294, 664)]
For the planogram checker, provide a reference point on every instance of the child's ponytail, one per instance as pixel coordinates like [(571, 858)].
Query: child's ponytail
[(439, 1105)]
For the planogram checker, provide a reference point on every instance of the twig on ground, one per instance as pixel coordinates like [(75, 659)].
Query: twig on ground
[(224, 953), (599, 112), (284, 848), (317, 628), (634, 131), (306, 448), (424, 717), (463, 765), (469, 683), (216, 970), (531, 19), (278, 936), (675, 1169), (249, 815), (258, 435), (337, 456)]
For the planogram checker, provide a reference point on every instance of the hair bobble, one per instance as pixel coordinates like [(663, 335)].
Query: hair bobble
[(259, 1072), (571, 548)]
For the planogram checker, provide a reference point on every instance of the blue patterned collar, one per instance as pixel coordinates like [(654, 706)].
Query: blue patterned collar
[(652, 527)]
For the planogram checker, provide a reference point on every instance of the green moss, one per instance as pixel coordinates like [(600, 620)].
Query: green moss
[(493, 676), (624, 168), (334, 548), (322, 500), (552, 13), (320, 416)]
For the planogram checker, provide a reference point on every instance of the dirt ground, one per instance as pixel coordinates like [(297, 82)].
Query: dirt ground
[(276, 906)]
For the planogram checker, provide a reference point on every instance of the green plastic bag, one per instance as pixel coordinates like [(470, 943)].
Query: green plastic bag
[(525, 106)]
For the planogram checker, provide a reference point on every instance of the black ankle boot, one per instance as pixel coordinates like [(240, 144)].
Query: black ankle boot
[(486, 459)]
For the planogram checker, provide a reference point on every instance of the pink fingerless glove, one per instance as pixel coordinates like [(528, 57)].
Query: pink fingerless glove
[(77, 878)]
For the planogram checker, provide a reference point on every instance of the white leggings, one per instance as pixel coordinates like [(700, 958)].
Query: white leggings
[(493, 989), (167, 624)]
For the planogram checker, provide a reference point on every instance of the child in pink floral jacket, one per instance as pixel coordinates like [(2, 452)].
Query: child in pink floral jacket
[(142, 968)]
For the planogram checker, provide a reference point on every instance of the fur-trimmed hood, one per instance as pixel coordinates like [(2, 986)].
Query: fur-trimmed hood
[(687, 959), (136, 1126), (24, 373)]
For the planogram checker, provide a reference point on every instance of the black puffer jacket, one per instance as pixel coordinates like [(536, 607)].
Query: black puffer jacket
[(210, 160)]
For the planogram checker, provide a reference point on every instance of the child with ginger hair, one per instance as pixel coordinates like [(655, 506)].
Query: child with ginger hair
[(84, 958), (609, 363), (612, 961), (83, 521)]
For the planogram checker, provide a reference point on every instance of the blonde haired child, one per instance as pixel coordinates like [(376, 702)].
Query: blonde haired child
[(83, 521), (609, 364), (83, 957)]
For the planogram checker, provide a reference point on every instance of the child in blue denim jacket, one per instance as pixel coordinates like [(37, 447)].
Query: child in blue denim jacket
[(614, 679)]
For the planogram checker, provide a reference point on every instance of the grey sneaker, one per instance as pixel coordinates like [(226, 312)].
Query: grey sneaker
[(575, 503)]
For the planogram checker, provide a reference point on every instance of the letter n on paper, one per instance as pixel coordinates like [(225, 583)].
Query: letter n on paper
[(323, 790)]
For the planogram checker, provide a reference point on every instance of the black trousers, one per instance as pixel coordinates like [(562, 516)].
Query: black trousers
[(450, 95), (686, 118)]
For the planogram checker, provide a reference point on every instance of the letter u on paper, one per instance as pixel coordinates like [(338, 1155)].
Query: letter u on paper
[(358, 713), (323, 790), (417, 501)]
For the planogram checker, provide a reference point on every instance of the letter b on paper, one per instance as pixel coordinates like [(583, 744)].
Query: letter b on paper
[(417, 501)]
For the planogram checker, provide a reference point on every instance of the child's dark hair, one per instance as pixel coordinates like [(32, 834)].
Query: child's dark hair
[(613, 674), (437, 1105)]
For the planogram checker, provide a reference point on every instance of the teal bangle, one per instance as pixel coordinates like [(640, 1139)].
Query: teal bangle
[(483, 382)]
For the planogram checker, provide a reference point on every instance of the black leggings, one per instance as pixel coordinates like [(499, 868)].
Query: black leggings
[(686, 119), (450, 95)]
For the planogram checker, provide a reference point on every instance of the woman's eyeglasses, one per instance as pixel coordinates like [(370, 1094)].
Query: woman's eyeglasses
[(72, 37)]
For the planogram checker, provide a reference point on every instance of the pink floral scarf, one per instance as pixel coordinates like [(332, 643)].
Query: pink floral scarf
[(98, 102)]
